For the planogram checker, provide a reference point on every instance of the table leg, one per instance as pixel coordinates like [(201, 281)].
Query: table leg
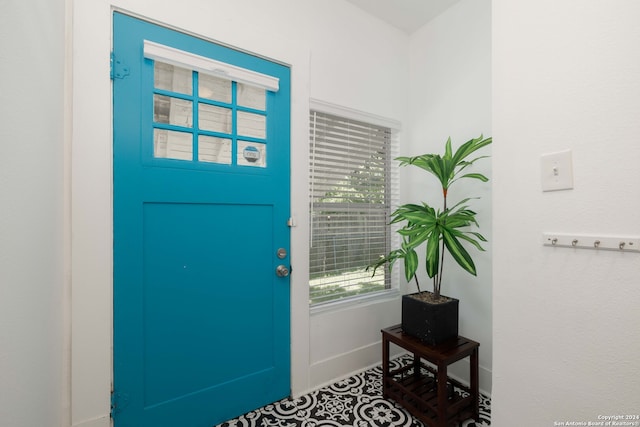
[(417, 370), (385, 365), (442, 394), (475, 385)]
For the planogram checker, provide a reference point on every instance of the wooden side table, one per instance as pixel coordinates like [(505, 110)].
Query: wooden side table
[(431, 398)]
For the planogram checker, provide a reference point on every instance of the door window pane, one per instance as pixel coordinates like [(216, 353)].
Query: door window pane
[(252, 97), (214, 150), (214, 88), (169, 77), (212, 118), (227, 112), (254, 125), (168, 144), (173, 111)]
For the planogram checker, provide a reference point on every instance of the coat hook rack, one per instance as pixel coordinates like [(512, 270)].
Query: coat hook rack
[(593, 242)]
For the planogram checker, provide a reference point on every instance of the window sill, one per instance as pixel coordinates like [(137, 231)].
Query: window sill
[(374, 298)]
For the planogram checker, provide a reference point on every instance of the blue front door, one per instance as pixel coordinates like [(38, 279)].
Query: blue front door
[(201, 209)]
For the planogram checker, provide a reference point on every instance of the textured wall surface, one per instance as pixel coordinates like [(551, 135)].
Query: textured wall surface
[(450, 96), (566, 336), (32, 284)]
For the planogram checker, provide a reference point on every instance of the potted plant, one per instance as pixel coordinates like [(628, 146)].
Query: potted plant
[(431, 316)]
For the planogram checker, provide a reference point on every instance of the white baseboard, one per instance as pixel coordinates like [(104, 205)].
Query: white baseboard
[(329, 371), (104, 421), (460, 371)]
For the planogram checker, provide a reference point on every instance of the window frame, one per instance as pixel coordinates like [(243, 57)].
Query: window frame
[(392, 278)]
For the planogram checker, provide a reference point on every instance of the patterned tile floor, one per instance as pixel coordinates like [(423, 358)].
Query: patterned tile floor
[(356, 401)]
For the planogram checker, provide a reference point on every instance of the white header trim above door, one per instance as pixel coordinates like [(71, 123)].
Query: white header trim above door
[(205, 65)]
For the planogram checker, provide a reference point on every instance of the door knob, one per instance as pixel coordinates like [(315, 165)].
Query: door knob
[(282, 271)]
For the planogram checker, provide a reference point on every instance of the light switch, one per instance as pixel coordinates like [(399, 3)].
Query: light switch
[(557, 171)]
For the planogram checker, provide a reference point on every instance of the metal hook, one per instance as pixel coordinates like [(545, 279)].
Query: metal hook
[(596, 243), (554, 241), (621, 246), (574, 242)]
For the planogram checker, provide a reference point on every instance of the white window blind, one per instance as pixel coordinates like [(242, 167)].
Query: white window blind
[(351, 200)]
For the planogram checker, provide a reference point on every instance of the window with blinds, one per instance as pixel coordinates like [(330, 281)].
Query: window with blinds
[(350, 182)]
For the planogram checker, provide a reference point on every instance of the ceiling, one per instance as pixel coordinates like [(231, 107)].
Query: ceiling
[(407, 15)]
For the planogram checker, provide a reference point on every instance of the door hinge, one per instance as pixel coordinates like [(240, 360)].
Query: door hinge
[(119, 70), (112, 412), (118, 402)]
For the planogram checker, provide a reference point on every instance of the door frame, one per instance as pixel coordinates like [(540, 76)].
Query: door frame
[(91, 189)]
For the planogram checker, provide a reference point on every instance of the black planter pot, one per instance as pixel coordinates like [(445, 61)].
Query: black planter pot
[(430, 323)]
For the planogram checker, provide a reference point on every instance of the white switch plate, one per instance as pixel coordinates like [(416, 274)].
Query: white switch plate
[(557, 171)]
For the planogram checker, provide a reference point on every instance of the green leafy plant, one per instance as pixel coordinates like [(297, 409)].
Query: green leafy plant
[(439, 229)]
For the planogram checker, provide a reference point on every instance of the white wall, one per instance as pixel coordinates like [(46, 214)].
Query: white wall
[(566, 335), (32, 241), (338, 54), (450, 96)]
